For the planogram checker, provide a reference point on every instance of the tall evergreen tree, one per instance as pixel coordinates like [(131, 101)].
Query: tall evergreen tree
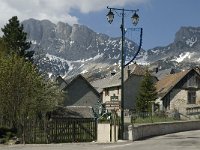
[(3, 48), (16, 39), (147, 94)]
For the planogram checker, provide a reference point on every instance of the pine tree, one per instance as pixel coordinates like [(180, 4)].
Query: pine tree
[(147, 94), (3, 48), (16, 39)]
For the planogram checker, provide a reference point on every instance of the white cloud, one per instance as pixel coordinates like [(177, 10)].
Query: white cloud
[(86, 6), (55, 10)]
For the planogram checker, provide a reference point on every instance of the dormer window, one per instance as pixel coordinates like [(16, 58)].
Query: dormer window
[(106, 92)]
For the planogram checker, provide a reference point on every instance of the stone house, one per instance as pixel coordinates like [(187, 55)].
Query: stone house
[(180, 92), (110, 89)]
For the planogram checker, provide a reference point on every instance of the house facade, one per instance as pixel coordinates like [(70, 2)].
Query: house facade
[(180, 92), (111, 94)]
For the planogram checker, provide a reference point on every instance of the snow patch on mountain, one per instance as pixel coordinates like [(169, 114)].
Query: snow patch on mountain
[(183, 56), (156, 51), (33, 42), (58, 59), (191, 41), (142, 58), (84, 71), (92, 58)]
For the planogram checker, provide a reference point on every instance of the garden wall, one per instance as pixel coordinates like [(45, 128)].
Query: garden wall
[(148, 130)]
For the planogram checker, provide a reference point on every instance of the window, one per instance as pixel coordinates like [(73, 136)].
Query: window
[(191, 97), (118, 90), (198, 81), (114, 98), (106, 92), (166, 102)]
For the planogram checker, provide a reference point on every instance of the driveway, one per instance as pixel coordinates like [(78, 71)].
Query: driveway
[(179, 141)]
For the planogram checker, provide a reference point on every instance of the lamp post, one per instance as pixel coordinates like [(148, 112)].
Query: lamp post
[(135, 19)]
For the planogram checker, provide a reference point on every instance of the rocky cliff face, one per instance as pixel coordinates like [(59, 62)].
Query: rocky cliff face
[(69, 50)]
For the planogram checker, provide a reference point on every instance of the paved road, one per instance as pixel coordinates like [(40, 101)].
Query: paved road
[(178, 141)]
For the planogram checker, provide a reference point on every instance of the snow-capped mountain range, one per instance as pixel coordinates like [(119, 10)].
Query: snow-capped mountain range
[(61, 49), (183, 53), (69, 50)]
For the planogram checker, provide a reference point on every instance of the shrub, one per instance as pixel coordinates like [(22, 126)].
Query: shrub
[(6, 134)]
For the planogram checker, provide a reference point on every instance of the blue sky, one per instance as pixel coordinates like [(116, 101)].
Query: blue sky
[(160, 19)]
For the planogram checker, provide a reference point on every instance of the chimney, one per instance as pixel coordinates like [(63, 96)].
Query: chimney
[(197, 69), (129, 72), (156, 69), (172, 71), (113, 73)]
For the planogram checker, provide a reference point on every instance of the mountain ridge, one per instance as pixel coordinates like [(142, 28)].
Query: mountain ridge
[(69, 50), (82, 48)]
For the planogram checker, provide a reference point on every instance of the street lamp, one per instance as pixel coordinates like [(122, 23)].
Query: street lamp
[(135, 19)]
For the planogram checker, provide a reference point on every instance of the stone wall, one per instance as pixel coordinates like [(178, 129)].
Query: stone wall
[(156, 129), (179, 100)]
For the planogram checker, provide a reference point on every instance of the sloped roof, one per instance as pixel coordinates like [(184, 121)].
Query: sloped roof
[(80, 76), (115, 80), (164, 85), (100, 84), (134, 70), (162, 73), (74, 112)]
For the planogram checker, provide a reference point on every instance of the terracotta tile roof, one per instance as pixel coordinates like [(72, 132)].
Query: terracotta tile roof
[(164, 85)]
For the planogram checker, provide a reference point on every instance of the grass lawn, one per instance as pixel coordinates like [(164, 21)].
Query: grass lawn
[(153, 119)]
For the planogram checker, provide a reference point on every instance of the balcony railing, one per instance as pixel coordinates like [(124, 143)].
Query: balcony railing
[(193, 110)]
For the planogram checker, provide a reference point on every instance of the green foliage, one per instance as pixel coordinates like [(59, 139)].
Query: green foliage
[(15, 38), (3, 48), (147, 94), (153, 119), (23, 92), (6, 134)]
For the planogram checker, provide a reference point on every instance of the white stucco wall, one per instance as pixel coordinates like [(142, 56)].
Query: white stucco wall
[(112, 91), (107, 133), (103, 133)]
